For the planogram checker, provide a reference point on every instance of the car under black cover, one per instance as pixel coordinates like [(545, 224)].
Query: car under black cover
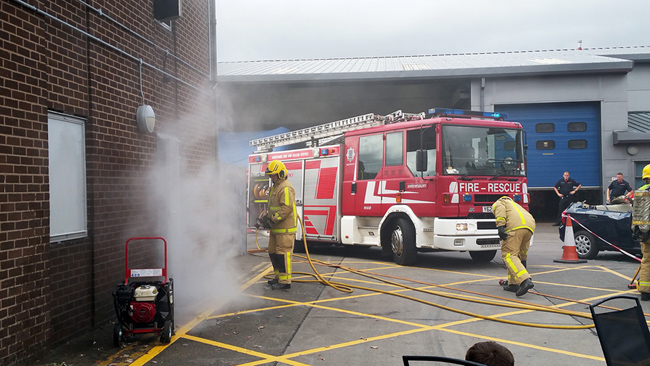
[(611, 223)]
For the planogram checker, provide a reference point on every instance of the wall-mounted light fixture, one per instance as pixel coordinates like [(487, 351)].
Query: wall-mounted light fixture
[(146, 118), (632, 150)]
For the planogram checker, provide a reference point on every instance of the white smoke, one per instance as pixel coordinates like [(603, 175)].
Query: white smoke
[(199, 212)]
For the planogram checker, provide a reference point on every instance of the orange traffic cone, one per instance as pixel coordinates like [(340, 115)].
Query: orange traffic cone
[(570, 255)]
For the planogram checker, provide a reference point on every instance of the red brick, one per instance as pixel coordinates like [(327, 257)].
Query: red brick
[(48, 66)]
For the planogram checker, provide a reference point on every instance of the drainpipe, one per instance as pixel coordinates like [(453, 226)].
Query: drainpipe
[(482, 94)]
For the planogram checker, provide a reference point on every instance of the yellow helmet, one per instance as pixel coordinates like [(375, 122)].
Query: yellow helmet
[(646, 172), (276, 167)]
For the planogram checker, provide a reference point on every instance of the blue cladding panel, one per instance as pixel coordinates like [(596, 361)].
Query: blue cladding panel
[(545, 167)]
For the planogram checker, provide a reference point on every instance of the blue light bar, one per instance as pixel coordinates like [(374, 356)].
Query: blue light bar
[(462, 112)]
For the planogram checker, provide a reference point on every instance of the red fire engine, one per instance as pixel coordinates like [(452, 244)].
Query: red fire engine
[(404, 182)]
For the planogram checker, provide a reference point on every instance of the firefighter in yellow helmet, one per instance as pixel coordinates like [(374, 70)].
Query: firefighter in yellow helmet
[(644, 274), (516, 226), (282, 219)]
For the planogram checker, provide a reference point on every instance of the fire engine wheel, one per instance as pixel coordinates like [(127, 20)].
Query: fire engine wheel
[(166, 334), (117, 335), (483, 256), (402, 242), (586, 246)]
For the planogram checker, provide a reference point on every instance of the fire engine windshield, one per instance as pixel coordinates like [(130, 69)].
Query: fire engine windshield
[(470, 150)]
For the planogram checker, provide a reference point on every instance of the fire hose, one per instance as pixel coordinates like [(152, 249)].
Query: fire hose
[(504, 302)]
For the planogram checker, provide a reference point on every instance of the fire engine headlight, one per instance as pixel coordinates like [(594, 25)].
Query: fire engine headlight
[(461, 226)]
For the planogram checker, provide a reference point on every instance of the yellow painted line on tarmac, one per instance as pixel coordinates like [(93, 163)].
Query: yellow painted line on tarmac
[(191, 324), (555, 284), (527, 345), (628, 278), (265, 357), (251, 311), (182, 333), (315, 305)]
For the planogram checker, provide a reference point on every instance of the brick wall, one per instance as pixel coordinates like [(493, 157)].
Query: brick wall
[(50, 292)]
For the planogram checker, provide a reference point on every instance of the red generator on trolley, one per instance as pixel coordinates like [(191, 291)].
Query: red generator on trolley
[(142, 303)]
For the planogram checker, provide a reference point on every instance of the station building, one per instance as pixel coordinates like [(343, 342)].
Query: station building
[(93, 95), (584, 110)]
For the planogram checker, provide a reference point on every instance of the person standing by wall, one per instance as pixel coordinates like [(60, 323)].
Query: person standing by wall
[(516, 226), (618, 188), (566, 189), (282, 220)]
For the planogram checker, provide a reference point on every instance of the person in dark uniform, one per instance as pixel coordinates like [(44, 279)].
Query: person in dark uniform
[(618, 188), (566, 189)]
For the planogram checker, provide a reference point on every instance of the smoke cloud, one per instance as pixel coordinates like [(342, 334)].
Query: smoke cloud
[(201, 213)]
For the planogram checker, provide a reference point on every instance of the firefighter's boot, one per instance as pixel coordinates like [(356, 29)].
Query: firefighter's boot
[(284, 273), (275, 264), (526, 285), (280, 286), (507, 287), (524, 264)]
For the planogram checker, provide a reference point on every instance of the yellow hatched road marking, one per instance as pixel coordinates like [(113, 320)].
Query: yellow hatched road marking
[(265, 269), (265, 357)]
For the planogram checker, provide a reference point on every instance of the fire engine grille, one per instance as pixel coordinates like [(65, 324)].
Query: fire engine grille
[(487, 241), (486, 225), (487, 198)]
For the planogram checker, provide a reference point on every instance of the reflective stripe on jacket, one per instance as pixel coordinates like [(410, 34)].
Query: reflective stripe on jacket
[(512, 215), (282, 207)]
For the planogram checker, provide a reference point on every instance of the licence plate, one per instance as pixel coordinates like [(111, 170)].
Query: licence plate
[(487, 209)]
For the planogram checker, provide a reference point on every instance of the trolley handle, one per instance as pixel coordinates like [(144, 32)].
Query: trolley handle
[(152, 272)]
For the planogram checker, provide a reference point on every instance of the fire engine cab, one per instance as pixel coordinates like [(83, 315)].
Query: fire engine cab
[(404, 182)]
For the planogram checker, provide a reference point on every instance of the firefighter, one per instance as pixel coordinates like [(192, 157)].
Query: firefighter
[(644, 274), (281, 219), (516, 226)]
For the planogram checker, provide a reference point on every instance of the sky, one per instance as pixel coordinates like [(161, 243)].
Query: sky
[(251, 30)]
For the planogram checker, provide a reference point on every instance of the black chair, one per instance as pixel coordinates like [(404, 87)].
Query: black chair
[(623, 334), (455, 361)]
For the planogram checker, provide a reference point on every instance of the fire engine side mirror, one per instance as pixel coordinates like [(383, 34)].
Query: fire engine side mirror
[(421, 162)]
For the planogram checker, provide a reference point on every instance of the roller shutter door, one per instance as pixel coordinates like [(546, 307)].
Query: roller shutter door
[(560, 136)]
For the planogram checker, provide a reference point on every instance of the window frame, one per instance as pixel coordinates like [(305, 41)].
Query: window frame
[(390, 148), (362, 152), (71, 203)]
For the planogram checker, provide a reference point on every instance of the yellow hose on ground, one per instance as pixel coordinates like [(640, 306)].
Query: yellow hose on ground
[(511, 303)]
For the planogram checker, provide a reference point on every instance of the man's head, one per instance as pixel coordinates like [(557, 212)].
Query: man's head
[(646, 173), (276, 171), (491, 354), (566, 175), (619, 177)]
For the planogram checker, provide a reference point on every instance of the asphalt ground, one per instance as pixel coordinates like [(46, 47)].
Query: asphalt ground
[(314, 324)]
